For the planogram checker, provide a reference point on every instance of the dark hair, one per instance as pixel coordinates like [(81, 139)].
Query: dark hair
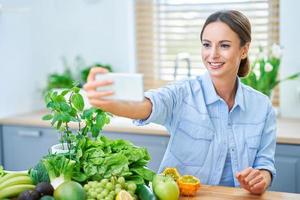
[(240, 24)]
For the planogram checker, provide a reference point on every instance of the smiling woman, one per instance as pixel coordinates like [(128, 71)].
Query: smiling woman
[(209, 117)]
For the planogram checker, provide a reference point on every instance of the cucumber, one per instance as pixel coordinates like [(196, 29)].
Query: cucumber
[(144, 192)]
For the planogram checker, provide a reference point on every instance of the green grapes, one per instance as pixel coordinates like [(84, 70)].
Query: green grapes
[(107, 189)]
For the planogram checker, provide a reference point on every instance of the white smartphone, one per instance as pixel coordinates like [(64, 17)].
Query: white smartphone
[(126, 86)]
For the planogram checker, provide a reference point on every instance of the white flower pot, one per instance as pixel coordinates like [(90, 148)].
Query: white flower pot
[(59, 148)]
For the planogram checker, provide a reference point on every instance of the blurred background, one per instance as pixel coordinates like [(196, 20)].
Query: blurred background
[(39, 38)]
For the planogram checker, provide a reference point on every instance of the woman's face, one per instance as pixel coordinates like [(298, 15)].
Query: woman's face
[(221, 51)]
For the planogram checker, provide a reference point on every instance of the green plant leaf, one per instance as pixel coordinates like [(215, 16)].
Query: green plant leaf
[(59, 123), (47, 117), (76, 89), (64, 107), (77, 101), (63, 93), (95, 131)]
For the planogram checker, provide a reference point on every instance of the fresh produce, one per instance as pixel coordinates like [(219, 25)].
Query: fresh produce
[(39, 173), (44, 189), (14, 183), (59, 168), (145, 193), (69, 190), (170, 171), (124, 195), (103, 158), (91, 158), (188, 185), (2, 173), (14, 190), (29, 195), (20, 179), (12, 175), (47, 197), (165, 187), (96, 156), (109, 188)]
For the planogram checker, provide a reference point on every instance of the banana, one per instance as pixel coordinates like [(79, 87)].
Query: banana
[(17, 180), (15, 190), (11, 175)]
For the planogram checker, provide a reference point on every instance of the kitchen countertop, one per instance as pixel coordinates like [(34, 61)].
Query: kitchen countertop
[(288, 130), (207, 192)]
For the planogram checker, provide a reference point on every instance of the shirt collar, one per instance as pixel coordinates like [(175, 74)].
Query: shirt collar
[(211, 95), (239, 96)]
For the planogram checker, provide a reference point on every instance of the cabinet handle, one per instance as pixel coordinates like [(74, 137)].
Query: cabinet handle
[(29, 133)]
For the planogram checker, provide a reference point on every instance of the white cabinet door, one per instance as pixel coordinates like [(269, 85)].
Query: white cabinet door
[(23, 147)]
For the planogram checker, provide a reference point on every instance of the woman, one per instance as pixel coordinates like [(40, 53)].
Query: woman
[(220, 130)]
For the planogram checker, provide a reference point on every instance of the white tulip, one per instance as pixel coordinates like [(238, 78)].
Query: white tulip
[(268, 67), (257, 66), (256, 70), (276, 51)]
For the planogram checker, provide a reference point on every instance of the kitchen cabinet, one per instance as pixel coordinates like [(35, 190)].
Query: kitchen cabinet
[(23, 147), (287, 159)]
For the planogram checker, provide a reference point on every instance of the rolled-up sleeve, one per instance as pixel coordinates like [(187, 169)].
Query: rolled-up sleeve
[(164, 102), (266, 153)]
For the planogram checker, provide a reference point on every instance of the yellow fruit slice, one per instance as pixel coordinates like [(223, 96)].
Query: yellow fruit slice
[(188, 185), (170, 171), (124, 195)]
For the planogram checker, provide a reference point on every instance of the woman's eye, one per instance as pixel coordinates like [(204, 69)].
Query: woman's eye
[(225, 46), (206, 45)]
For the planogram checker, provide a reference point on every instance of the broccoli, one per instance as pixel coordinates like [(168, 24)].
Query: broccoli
[(39, 173)]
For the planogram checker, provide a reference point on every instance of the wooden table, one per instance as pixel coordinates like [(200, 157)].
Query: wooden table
[(207, 192)]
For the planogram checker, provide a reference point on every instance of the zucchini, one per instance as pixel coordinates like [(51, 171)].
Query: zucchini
[(144, 192)]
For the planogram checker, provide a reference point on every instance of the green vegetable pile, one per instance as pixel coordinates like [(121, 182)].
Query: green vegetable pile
[(104, 158), (95, 156)]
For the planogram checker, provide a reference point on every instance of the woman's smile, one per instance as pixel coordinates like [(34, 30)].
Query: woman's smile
[(216, 65)]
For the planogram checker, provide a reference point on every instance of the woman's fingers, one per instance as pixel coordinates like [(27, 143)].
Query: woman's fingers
[(94, 71), (103, 104), (99, 95), (255, 180), (258, 188), (92, 85), (243, 174), (252, 175)]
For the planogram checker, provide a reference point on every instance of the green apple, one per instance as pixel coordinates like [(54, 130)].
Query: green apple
[(165, 187)]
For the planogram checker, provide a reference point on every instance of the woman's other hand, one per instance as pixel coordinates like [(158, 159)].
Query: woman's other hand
[(255, 181)]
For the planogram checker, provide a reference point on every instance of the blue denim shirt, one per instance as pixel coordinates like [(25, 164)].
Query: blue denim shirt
[(202, 129)]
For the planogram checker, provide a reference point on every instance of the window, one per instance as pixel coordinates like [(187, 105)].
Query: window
[(168, 32)]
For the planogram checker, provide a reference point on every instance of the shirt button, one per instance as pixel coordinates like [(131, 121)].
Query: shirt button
[(232, 149)]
